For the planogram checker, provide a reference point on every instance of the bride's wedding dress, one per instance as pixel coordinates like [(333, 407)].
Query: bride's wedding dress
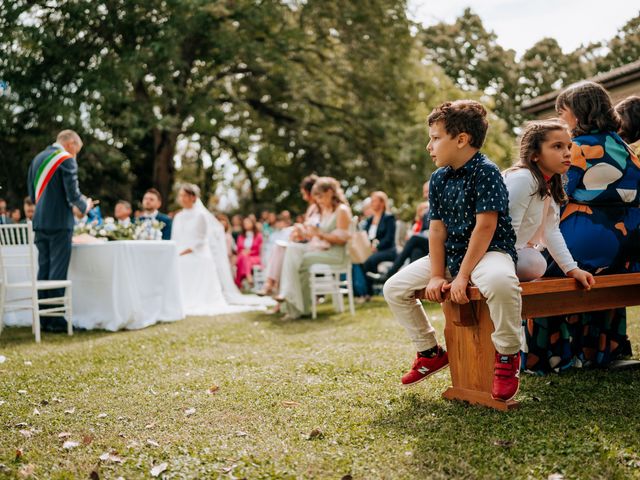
[(207, 285)]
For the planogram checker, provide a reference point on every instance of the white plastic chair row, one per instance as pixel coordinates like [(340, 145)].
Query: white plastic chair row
[(17, 252)]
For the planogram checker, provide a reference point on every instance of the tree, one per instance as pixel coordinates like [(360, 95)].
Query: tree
[(623, 48), (472, 57)]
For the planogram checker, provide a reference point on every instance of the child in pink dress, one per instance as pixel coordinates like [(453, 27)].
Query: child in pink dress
[(249, 245)]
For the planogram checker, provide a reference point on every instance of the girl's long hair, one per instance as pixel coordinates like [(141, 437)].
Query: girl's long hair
[(533, 136), (592, 107)]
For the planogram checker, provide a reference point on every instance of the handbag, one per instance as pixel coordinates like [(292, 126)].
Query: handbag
[(359, 247)]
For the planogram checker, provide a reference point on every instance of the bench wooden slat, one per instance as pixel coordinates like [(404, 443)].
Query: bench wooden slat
[(557, 285)]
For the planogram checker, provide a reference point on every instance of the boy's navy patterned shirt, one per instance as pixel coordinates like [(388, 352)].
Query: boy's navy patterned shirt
[(456, 196)]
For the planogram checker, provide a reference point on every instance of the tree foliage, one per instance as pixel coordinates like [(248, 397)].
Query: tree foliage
[(471, 56)]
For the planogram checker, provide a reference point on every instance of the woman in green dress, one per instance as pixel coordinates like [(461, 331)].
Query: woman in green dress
[(327, 246)]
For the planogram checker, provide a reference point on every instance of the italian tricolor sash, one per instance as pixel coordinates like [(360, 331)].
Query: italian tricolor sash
[(47, 169)]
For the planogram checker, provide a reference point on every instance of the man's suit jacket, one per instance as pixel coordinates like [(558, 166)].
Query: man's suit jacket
[(386, 233), (53, 211), (161, 217)]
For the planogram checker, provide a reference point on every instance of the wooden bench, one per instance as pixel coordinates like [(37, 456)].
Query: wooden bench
[(469, 327)]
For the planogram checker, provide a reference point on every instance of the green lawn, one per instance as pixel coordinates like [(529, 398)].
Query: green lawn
[(302, 399)]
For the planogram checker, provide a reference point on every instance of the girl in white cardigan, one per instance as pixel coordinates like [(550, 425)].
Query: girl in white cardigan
[(535, 195)]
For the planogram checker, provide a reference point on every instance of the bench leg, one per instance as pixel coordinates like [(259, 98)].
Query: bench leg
[(468, 332)]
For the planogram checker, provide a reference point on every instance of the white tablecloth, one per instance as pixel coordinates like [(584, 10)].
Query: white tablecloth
[(121, 285)]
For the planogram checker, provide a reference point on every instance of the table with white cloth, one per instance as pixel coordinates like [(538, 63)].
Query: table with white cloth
[(119, 285)]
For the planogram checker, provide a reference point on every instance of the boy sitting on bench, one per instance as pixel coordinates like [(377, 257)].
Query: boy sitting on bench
[(471, 240)]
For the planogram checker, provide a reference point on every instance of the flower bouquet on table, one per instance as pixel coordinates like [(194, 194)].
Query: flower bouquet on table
[(148, 229), (110, 230)]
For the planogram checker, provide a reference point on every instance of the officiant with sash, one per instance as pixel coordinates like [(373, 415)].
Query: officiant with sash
[(53, 186)]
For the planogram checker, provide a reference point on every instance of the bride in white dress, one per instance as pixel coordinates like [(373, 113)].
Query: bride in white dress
[(207, 286)]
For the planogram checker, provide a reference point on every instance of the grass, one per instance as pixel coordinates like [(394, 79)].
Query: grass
[(303, 399)]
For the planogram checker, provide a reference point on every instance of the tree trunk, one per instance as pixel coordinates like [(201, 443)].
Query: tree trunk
[(164, 143)]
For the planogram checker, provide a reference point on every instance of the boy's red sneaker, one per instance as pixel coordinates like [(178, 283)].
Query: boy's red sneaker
[(424, 367), (506, 376)]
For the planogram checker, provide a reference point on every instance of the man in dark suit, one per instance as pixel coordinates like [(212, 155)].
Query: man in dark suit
[(151, 202), (53, 187)]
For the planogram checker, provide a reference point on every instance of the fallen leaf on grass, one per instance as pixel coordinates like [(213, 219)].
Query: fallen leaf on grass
[(315, 433), (150, 426), (153, 443), (26, 433), (27, 470), (229, 469), (69, 444), (158, 469), (503, 443), (111, 457), (87, 439), (19, 454), (64, 435), (290, 403), (102, 415), (189, 411)]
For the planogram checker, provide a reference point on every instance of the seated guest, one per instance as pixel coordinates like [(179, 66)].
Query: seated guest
[(381, 227), (231, 246), (285, 215), (29, 209), (15, 215), (122, 213), (236, 226), (4, 215), (327, 246), (629, 112), (298, 234), (417, 245), (249, 244), (151, 202), (93, 216)]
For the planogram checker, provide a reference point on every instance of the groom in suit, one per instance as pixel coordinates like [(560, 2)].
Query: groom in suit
[(151, 202), (53, 187)]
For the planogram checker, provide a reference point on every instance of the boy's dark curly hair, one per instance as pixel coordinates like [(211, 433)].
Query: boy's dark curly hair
[(462, 116)]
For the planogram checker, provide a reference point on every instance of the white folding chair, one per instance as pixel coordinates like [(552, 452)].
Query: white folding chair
[(258, 278), (18, 253), (326, 279)]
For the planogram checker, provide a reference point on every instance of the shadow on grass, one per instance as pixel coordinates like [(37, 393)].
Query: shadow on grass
[(327, 318), (581, 424), (15, 336)]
